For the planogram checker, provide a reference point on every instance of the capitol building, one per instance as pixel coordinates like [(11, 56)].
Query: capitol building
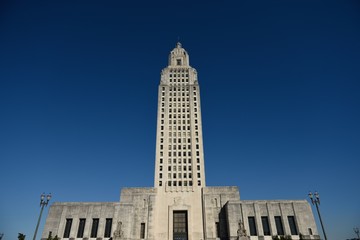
[(180, 206)]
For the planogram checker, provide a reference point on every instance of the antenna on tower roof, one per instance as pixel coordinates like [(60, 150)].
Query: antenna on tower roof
[(178, 44)]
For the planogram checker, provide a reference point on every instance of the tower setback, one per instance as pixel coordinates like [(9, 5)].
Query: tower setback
[(180, 206)]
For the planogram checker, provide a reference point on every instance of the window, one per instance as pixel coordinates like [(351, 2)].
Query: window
[(265, 224), (81, 228), (279, 225), (252, 226), (142, 230), (310, 231), (199, 183), (217, 227), (108, 224), (67, 227), (292, 225), (94, 228)]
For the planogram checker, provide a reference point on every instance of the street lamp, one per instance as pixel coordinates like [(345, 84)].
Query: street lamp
[(356, 230), (316, 200), (43, 203)]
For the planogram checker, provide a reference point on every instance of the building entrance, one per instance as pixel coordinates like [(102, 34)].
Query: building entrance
[(180, 231)]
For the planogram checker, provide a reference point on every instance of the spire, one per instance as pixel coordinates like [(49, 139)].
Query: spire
[(178, 45)]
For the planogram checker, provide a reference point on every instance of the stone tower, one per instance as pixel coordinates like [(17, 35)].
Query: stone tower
[(179, 146), (179, 168)]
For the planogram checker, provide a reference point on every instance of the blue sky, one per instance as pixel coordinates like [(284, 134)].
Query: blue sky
[(279, 93)]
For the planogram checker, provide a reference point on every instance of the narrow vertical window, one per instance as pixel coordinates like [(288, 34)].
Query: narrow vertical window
[(108, 227), (67, 227), (292, 225), (252, 226), (81, 228), (94, 228), (266, 226), (142, 230), (217, 226), (279, 225)]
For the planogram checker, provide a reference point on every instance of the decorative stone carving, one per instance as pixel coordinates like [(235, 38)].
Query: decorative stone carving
[(241, 232), (118, 234)]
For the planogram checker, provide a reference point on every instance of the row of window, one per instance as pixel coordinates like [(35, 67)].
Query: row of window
[(179, 110), (180, 175), (179, 75), (178, 81), (179, 168), (179, 160), (179, 105), (180, 183), (178, 99), (170, 154), (174, 154), (177, 70), (179, 116), (94, 228), (162, 133), (181, 89), (173, 147), (178, 122), (178, 89), (278, 224)]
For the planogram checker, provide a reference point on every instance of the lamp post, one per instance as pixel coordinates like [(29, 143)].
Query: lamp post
[(315, 200), (43, 203), (356, 230)]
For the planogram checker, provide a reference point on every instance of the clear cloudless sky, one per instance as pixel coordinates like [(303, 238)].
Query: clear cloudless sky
[(280, 98)]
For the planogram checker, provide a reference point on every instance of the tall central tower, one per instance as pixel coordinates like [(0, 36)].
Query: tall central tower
[(179, 146), (179, 168)]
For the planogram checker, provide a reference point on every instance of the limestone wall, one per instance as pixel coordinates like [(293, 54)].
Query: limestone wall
[(300, 209), (59, 212)]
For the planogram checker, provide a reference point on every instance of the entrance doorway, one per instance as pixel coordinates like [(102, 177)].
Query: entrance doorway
[(180, 231)]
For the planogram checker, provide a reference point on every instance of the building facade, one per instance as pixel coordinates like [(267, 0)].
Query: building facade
[(180, 206)]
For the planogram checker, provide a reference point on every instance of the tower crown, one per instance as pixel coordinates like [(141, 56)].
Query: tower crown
[(178, 57)]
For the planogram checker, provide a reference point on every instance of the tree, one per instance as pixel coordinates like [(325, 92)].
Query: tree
[(21, 236)]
